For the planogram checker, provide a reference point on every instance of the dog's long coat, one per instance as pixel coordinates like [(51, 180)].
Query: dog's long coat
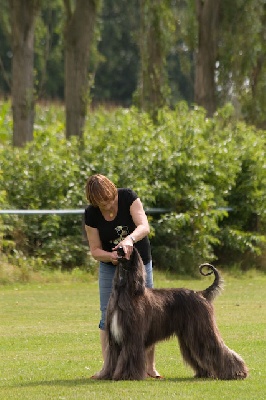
[(138, 317)]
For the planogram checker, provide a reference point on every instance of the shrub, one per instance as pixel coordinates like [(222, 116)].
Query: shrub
[(195, 167)]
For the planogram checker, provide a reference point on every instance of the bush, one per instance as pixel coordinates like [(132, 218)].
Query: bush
[(198, 168)]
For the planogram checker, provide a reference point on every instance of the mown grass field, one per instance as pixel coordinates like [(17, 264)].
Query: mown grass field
[(50, 344)]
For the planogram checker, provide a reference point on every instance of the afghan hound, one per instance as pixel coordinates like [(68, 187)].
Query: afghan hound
[(138, 317)]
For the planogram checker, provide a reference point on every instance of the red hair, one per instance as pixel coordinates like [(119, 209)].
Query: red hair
[(100, 189)]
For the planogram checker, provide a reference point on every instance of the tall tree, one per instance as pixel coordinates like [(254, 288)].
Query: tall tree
[(156, 29), (242, 58), (23, 14), (207, 12), (79, 32), (5, 51), (118, 59)]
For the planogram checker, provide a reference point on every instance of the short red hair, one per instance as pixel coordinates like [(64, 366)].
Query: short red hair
[(100, 189)]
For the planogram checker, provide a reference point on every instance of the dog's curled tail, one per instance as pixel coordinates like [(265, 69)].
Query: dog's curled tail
[(215, 289)]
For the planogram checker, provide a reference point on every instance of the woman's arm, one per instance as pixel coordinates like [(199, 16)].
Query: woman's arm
[(96, 247), (140, 219), (142, 227)]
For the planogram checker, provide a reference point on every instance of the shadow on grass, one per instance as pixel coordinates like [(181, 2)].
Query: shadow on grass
[(89, 381)]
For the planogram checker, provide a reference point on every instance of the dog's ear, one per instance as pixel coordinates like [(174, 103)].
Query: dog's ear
[(134, 259), (138, 270)]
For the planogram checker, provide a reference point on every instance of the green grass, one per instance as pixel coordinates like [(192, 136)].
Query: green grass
[(50, 344)]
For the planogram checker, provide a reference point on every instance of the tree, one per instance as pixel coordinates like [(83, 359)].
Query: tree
[(23, 14), (242, 58), (156, 28), (5, 52), (49, 51), (207, 12), (79, 31), (118, 60)]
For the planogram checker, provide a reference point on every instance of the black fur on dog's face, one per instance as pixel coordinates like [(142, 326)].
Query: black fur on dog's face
[(123, 262), (130, 274), (120, 252), (132, 262)]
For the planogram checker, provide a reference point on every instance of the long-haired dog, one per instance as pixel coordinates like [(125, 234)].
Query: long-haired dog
[(138, 317)]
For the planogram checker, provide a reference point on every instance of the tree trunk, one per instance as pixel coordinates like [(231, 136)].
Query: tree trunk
[(153, 88), (207, 16), (78, 38), (23, 13)]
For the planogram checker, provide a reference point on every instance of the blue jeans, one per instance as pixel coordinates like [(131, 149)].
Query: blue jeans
[(106, 276)]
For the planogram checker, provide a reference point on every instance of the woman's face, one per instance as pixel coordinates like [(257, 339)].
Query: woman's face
[(107, 205)]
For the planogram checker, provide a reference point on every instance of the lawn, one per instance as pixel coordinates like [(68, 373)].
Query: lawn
[(50, 344)]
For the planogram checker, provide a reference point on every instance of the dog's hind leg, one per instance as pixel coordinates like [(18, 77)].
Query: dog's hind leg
[(191, 361), (231, 365), (207, 354), (212, 355), (202, 345)]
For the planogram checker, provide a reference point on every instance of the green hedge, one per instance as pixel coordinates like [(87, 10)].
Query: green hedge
[(193, 166)]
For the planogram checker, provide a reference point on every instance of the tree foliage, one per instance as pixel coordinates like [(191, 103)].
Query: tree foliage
[(242, 58), (157, 29), (172, 29), (118, 55), (195, 167)]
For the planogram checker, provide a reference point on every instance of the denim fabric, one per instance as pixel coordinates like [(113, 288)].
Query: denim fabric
[(106, 275)]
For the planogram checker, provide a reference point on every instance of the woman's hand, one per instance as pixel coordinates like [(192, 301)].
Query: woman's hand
[(114, 257), (127, 245)]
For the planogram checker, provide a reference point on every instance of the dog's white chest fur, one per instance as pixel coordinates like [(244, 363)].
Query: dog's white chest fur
[(116, 329)]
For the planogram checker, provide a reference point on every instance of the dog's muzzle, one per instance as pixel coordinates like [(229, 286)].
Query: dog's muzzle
[(120, 252)]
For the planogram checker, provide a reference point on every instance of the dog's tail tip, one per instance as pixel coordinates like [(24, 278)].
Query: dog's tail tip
[(211, 292), (211, 269)]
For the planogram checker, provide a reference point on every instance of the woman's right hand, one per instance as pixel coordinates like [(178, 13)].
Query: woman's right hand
[(114, 258)]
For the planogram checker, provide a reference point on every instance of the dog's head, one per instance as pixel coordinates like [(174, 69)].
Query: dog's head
[(120, 253), (131, 273)]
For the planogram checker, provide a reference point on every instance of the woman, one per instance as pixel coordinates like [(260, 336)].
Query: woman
[(115, 217)]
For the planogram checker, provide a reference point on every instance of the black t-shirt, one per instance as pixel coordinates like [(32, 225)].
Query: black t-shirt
[(112, 232)]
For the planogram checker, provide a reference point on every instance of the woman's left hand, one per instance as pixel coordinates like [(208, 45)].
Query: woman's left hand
[(127, 245)]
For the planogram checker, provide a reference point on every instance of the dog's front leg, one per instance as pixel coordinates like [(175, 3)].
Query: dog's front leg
[(112, 354), (131, 363)]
